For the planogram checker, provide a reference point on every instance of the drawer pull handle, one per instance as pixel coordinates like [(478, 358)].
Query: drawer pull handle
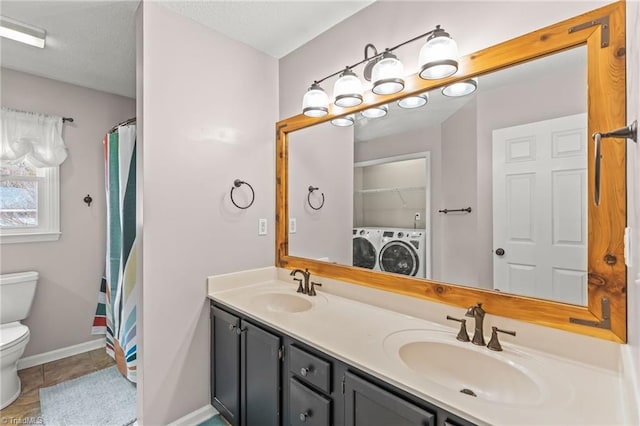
[(305, 371), (303, 416)]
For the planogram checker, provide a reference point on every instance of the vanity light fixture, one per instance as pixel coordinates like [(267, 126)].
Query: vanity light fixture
[(414, 101), (439, 56), (387, 75), (18, 31), (375, 112), (345, 121), (315, 102), (438, 59), (461, 88), (347, 92)]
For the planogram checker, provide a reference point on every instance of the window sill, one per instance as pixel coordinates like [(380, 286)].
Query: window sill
[(29, 238)]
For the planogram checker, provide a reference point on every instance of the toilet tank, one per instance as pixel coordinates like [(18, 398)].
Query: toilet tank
[(16, 295)]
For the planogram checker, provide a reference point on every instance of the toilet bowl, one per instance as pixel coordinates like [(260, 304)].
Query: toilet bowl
[(16, 296)]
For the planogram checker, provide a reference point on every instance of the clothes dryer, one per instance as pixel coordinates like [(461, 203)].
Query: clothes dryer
[(366, 246), (403, 251)]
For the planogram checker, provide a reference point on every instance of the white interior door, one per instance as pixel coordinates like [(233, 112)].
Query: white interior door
[(540, 209)]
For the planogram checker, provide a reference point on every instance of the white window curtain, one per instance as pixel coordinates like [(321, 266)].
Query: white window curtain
[(31, 136)]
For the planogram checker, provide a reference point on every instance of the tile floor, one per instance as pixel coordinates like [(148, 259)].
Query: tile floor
[(27, 406)]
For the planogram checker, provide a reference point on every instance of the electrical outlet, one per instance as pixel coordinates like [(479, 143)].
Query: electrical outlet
[(262, 226), (417, 216), (293, 227)]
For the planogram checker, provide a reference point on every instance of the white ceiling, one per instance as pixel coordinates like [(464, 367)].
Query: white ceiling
[(92, 43)]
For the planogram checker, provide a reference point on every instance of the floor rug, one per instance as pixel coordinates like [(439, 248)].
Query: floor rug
[(101, 398), (214, 421)]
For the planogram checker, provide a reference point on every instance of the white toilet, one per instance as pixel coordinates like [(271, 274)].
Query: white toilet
[(16, 297)]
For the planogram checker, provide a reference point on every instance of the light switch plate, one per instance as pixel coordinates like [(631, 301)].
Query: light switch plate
[(293, 227), (262, 226)]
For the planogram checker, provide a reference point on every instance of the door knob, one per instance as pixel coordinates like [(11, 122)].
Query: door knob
[(500, 252)]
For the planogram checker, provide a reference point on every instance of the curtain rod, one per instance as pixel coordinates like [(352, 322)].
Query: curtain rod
[(65, 119), (122, 123)]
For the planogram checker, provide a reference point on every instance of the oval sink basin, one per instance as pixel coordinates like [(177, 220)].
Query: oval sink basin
[(463, 367), (284, 302)]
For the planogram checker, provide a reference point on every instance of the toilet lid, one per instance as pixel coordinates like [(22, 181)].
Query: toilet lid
[(12, 334)]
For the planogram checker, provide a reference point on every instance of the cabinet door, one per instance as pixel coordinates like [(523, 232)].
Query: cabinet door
[(260, 377), (225, 368), (369, 405)]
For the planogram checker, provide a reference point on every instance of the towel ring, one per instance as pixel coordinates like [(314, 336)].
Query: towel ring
[(237, 184), (311, 189)]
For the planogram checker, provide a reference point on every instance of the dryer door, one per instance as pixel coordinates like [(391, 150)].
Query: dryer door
[(399, 257), (364, 253)]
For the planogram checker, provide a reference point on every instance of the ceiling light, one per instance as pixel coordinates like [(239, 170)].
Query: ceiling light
[(439, 56), (414, 101), (376, 112), (461, 88), (387, 75), (14, 30), (344, 121), (315, 102), (347, 91)]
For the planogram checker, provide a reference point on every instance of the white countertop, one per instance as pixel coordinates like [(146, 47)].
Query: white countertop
[(354, 332)]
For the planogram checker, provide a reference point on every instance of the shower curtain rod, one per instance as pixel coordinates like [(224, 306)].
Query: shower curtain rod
[(122, 123)]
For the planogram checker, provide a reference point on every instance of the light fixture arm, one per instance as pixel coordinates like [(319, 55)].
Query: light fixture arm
[(377, 55)]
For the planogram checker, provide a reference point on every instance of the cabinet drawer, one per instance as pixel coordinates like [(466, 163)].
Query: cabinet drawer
[(310, 369), (307, 407)]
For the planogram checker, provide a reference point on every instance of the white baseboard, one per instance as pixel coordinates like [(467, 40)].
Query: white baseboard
[(630, 386), (196, 417), (43, 358)]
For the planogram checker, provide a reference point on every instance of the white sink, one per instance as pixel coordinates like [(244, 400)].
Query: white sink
[(285, 302), (509, 377)]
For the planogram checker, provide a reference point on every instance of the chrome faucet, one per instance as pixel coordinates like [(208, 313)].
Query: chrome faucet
[(306, 275), (477, 313)]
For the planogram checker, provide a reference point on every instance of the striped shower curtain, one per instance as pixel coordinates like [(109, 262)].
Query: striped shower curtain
[(117, 315)]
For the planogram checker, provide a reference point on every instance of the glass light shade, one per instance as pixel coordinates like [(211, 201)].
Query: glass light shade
[(344, 121), (315, 102), (461, 88), (387, 75), (347, 91), (414, 101), (376, 112), (438, 57)]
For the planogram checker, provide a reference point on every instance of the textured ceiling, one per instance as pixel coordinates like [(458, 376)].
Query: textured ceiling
[(274, 27), (92, 43), (89, 43)]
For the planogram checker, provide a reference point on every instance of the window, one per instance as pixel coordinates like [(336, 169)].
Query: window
[(29, 203)]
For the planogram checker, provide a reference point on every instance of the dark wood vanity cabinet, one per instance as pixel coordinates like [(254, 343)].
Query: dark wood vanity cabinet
[(260, 377), (245, 371)]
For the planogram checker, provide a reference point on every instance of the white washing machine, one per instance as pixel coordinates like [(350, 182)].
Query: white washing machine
[(403, 251), (366, 247)]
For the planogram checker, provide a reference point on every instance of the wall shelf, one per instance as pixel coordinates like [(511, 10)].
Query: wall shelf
[(396, 189)]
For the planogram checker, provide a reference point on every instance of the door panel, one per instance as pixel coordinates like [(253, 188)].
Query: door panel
[(260, 376), (540, 209), (225, 371), (369, 405)]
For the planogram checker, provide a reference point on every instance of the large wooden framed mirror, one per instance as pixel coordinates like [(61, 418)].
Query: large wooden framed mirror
[(587, 293)]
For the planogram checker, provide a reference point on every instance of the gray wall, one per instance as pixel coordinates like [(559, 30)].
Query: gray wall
[(70, 268), (459, 251), (205, 122), (326, 233), (632, 369)]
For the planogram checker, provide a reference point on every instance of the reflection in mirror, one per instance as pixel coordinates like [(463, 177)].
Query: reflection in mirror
[(514, 151)]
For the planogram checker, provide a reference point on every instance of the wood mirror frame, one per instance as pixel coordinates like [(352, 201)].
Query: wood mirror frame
[(602, 31)]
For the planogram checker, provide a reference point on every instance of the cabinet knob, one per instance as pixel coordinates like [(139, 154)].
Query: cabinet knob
[(303, 416), (305, 371), (232, 327)]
